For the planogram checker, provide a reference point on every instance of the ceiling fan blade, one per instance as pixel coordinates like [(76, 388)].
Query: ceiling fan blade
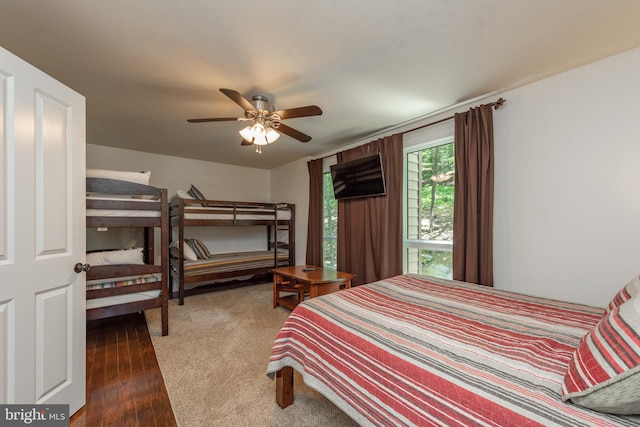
[(245, 142), (293, 133), (217, 119), (292, 113), (238, 99)]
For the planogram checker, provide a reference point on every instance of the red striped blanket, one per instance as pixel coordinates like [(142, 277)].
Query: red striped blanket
[(420, 351)]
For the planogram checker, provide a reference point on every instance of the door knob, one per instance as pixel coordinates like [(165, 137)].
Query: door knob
[(79, 267)]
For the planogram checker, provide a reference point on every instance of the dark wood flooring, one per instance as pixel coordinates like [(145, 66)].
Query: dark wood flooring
[(124, 383)]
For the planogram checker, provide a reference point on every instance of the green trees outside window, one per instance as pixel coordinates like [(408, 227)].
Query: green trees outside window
[(329, 224), (428, 242), (429, 208), (437, 193)]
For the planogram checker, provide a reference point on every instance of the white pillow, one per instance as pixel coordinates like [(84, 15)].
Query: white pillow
[(123, 256), (188, 253), (136, 177), (183, 194)]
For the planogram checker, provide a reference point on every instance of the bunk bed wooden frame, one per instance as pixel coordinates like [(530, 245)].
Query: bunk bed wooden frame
[(226, 213), (118, 189)]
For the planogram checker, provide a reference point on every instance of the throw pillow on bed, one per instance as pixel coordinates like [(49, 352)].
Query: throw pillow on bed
[(629, 290), (187, 253), (195, 193), (199, 248), (184, 195), (123, 256), (604, 371)]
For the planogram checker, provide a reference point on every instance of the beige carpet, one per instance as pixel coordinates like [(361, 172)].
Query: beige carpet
[(215, 358)]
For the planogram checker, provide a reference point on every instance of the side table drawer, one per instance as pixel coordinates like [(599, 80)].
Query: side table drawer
[(328, 288)]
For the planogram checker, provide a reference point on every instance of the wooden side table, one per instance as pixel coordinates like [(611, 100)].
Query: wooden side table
[(302, 279)]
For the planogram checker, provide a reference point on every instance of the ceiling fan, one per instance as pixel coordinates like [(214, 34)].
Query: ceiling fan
[(267, 121)]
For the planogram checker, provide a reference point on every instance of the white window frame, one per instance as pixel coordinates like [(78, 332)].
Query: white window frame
[(435, 245)]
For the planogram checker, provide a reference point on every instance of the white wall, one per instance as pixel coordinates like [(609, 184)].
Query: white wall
[(215, 180), (567, 191), (567, 204), (290, 184)]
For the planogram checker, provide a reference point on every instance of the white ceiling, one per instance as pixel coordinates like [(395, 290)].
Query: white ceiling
[(145, 66)]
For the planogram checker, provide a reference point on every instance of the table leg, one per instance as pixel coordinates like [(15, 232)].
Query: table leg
[(275, 290)]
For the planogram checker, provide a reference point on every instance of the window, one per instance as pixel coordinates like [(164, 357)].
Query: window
[(329, 224), (429, 190)]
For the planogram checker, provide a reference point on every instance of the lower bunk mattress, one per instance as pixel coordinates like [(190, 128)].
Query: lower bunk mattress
[(236, 261), (119, 283), (199, 271)]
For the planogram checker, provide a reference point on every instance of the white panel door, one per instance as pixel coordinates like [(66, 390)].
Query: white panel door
[(42, 237)]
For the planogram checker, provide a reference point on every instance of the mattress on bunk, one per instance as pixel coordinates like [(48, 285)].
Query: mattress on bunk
[(121, 299), (128, 176), (117, 282), (187, 286), (128, 213), (236, 261), (256, 214)]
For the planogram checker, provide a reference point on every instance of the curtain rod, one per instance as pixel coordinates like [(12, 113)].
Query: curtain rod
[(497, 104)]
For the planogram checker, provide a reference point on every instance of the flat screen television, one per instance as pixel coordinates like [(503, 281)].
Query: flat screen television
[(361, 177)]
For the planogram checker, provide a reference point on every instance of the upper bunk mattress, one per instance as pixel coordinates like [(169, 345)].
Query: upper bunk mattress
[(257, 215), (123, 213)]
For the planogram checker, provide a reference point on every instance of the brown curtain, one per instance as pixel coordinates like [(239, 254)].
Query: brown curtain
[(370, 228), (473, 206), (314, 224)]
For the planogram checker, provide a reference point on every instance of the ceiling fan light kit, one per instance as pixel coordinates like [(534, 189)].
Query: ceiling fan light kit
[(260, 135), (265, 120)]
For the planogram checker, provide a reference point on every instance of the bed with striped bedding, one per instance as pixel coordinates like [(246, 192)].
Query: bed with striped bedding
[(412, 350)]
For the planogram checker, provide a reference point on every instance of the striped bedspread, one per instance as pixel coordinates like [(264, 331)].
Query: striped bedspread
[(123, 281), (412, 350), (236, 261)]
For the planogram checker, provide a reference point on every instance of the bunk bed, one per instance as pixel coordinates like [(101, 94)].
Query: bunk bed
[(123, 281), (188, 274)]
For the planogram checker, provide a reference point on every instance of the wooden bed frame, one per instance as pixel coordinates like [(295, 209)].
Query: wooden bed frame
[(234, 210), (149, 224), (284, 387)]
